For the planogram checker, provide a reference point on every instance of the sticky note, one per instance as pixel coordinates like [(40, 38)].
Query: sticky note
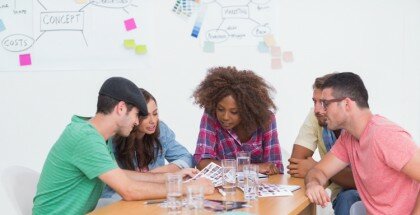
[(25, 59), (288, 56), (130, 43), (275, 51), (263, 48), (269, 40), (130, 24), (208, 47), (81, 1), (141, 49), (2, 27), (275, 63)]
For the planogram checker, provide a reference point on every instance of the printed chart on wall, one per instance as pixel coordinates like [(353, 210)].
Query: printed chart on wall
[(44, 35)]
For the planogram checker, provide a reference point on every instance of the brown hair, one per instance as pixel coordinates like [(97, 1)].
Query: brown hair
[(130, 149), (251, 93), (319, 82)]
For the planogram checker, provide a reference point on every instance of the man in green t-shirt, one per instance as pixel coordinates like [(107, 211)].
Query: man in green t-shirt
[(79, 164)]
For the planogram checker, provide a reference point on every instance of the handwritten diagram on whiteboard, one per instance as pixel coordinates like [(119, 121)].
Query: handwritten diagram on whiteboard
[(235, 22), (74, 34)]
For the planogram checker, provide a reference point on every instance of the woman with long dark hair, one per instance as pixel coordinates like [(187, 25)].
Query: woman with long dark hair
[(148, 145)]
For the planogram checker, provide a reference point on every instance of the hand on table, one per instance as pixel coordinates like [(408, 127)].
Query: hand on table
[(299, 167)]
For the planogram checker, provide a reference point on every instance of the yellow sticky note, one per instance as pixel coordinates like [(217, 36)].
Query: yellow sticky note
[(269, 40), (141, 49), (288, 56), (275, 51), (81, 1), (275, 63), (130, 43)]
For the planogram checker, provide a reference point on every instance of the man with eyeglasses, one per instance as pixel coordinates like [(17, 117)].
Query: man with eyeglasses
[(314, 134), (383, 157)]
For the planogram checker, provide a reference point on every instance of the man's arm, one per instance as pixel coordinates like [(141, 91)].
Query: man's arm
[(132, 186), (411, 169), (344, 178), (300, 161), (167, 168), (301, 152), (319, 176), (121, 181)]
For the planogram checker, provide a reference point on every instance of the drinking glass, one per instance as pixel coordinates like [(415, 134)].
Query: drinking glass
[(229, 175), (174, 193), (250, 182)]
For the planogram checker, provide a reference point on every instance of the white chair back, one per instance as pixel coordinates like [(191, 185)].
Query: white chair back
[(20, 184)]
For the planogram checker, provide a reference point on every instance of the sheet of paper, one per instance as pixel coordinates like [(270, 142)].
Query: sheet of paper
[(288, 56), (269, 40)]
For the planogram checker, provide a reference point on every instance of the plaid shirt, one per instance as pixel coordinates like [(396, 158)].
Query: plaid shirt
[(215, 142)]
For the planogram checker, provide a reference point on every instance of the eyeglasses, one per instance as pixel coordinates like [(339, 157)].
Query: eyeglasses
[(325, 103)]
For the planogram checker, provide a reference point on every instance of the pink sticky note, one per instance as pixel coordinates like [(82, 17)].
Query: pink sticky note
[(25, 59), (275, 63), (130, 24), (288, 56), (275, 51)]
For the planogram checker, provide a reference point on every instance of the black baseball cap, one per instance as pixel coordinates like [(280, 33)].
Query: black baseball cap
[(122, 89)]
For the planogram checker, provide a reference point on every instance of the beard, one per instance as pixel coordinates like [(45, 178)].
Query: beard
[(322, 120)]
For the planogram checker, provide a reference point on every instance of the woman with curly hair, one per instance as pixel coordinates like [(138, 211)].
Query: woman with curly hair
[(237, 117), (147, 147)]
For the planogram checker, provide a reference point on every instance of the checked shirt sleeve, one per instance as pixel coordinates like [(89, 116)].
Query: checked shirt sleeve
[(271, 145), (205, 148)]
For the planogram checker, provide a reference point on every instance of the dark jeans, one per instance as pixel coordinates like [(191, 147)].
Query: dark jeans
[(344, 200)]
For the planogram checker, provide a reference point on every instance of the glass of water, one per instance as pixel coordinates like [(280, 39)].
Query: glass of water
[(174, 193), (250, 181), (229, 175), (243, 158), (195, 196)]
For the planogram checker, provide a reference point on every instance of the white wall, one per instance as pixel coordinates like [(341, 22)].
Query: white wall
[(377, 39)]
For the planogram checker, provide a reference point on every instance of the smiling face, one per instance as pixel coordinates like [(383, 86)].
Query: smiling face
[(149, 124), (227, 112)]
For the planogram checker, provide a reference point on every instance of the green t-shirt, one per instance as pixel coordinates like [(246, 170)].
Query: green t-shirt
[(69, 182)]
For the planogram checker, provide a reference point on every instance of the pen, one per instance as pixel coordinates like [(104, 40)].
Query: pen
[(222, 192), (153, 202)]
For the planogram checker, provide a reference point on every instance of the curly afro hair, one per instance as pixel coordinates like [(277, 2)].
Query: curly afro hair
[(251, 93)]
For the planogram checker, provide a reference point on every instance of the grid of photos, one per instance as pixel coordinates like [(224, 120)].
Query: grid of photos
[(185, 8), (267, 190), (212, 172)]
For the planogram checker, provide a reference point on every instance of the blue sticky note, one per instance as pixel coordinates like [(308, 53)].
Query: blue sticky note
[(2, 28), (263, 48), (208, 47)]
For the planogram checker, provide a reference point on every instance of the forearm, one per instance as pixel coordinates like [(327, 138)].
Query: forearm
[(344, 178), (316, 176), (144, 190), (416, 210), (145, 177), (204, 162), (167, 168)]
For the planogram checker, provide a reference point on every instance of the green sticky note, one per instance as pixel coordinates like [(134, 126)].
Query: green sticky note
[(208, 47), (141, 49), (129, 44)]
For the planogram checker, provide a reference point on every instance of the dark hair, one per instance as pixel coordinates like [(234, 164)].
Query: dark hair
[(125, 147), (319, 82), (348, 84), (250, 92), (107, 104)]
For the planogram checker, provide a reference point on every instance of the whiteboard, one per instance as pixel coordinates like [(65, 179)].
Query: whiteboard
[(74, 34)]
